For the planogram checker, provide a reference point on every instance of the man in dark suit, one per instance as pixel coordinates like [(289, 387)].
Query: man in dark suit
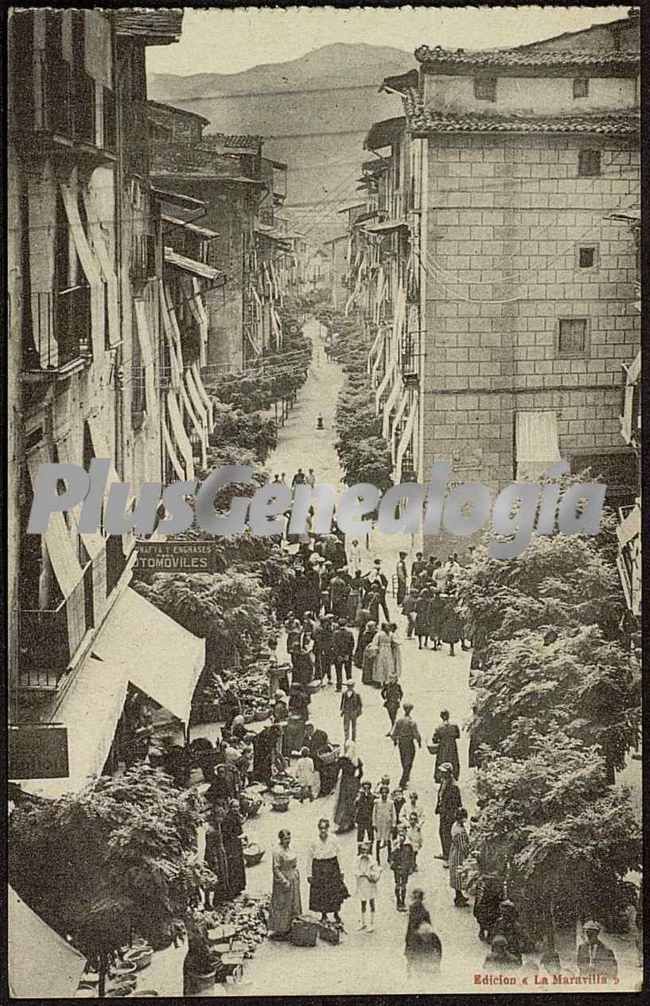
[(594, 957), (351, 709), (343, 647), (449, 800)]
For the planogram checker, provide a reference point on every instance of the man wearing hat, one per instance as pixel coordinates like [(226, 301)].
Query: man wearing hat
[(448, 802), (402, 577), (378, 581), (343, 648), (594, 957), (350, 709)]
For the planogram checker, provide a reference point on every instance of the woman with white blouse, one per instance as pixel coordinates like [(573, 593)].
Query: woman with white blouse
[(324, 875)]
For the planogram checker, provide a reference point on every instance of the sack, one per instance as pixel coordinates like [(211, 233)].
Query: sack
[(304, 932), (329, 933)]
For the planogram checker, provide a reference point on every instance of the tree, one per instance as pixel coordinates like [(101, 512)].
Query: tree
[(230, 611), (116, 859), (368, 461), (568, 838)]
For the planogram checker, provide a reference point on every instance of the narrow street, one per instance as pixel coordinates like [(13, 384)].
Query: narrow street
[(432, 681)]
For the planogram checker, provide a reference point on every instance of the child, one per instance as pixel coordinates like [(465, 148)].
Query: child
[(383, 820), (408, 609), (305, 775), (368, 874), (402, 863), (414, 836), (399, 801), (411, 808), (364, 805)]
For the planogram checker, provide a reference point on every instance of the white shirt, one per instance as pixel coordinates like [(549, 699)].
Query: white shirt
[(328, 849)]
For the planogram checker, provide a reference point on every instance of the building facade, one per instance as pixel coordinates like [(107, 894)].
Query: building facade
[(501, 177)]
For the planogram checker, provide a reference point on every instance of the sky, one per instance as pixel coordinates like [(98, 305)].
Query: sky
[(229, 41)]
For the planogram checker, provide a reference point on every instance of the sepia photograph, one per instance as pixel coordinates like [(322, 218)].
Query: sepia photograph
[(323, 385)]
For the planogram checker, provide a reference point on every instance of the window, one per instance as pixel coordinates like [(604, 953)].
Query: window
[(588, 163), (485, 88), (572, 337), (587, 256), (581, 87)]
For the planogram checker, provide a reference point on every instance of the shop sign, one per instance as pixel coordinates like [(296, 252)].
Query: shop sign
[(176, 557)]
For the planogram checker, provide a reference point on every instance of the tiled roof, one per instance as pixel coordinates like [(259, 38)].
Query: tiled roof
[(163, 25), (513, 58), (383, 133), (234, 141), (429, 120), (152, 106)]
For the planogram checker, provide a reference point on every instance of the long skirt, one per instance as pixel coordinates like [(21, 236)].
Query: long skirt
[(327, 892), (367, 665), (327, 775), (286, 905), (347, 790), (236, 866)]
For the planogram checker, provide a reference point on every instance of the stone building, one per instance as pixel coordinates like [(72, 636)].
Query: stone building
[(501, 177), (85, 371)]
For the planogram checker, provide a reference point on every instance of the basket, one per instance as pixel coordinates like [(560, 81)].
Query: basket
[(280, 803), (304, 932), (253, 855), (313, 686), (329, 933), (433, 748), (329, 757), (261, 714)]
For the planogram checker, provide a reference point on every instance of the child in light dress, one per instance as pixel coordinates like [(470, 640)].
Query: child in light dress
[(305, 774), (367, 874), (414, 836)]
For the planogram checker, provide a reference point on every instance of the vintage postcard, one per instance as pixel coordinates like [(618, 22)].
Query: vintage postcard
[(324, 551)]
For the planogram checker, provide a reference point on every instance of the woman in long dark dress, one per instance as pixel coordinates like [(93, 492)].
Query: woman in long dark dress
[(423, 618), (327, 890), (436, 611), (451, 627), (216, 859), (231, 831), (362, 620), (350, 773)]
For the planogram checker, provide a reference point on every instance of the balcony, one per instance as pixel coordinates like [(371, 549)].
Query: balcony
[(50, 638), (57, 339)]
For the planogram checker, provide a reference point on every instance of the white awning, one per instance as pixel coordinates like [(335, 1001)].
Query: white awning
[(386, 378), (171, 451), (196, 422), (102, 450), (199, 406), (398, 418), (634, 370), (60, 549), (180, 436), (405, 440), (41, 964), (94, 542), (90, 708), (170, 338), (392, 399), (191, 265), (537, 446), (374, 348), (90, 268), (630, 527), (106, 264), (169, 658), (203, 393), (146, 351)]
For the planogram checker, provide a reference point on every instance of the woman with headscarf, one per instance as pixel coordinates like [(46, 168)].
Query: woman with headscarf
[(231, 830), (366, 653), (350, 773), (327, 890), (286, 904)]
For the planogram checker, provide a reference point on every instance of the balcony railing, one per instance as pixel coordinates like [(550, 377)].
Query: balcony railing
[(49, 638), (60, 329), (84, 110)]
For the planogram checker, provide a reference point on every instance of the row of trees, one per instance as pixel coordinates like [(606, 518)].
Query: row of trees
[(557, 711), (363, 451)]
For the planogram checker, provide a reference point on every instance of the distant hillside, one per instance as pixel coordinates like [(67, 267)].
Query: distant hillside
[(314, 112)]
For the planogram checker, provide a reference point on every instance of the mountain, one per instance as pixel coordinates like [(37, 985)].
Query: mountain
[(314, 113)]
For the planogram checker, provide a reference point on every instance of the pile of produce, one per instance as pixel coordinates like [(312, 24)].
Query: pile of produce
[(246, 916)]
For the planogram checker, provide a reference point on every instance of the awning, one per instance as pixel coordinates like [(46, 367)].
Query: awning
[(404, 400), (205, 398), (169, 658), (102, 450), (385, 380), (171, 451), (191, 265), (178, 199), (197, 423), (350, 206), (630, 526), (392, 399), (93, 213), (146, 352), (634, 370), (90, 708), (42, 965), (180, 436), (94, 542), (175, 375), (385, 227), (62, 555), (197, 402), (405, 440), (537, 446), (90, 268), (204, 232)]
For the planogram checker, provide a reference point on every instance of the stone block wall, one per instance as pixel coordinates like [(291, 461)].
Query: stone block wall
[(506, 217)]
